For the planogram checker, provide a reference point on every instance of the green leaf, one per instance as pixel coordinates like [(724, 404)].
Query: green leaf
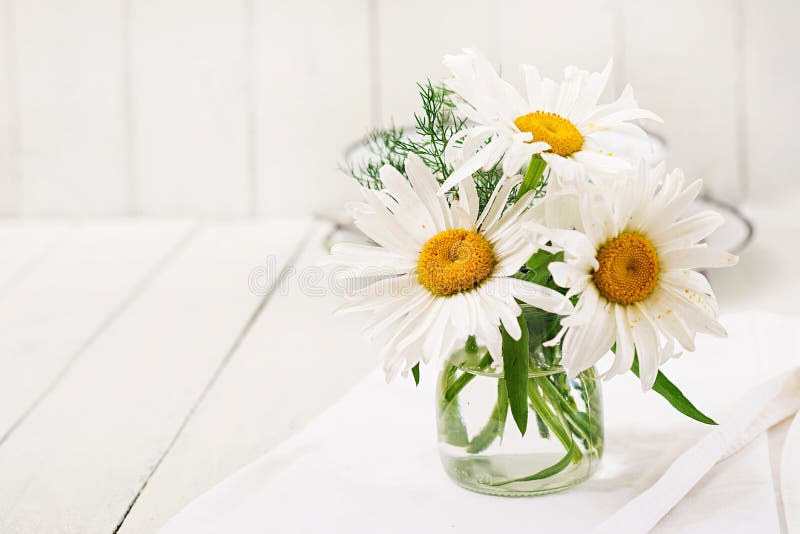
[(454, 430), (471, 345), (537, 266), (455, 388), (497, 422), (547, 472), (543, 430), (670, 391), (551, 417), (515, 368), (415, 373)]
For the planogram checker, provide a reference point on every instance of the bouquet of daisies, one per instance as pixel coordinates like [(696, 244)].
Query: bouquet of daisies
[(506, 239)]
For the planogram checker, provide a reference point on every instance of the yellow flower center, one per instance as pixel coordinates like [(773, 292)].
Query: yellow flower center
[(628, 269), (454, 261), (562, 136)]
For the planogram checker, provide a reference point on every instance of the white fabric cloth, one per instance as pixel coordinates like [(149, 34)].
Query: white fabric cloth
[(370, 464)]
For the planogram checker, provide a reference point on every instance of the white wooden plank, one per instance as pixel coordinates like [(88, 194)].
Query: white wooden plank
[(69, 89), (24, 243), (312, 100), (552, 35), (8, 112), (189, 74), (681, 61), (79, 460), (297, 360), (772, 83), (50, 315), (412, 38)]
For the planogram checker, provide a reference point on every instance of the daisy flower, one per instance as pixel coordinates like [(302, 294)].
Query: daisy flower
[(557, 120), (631, 261), (440, 273)]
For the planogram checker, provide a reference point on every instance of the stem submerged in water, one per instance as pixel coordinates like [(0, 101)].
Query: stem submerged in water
[(456, 387)]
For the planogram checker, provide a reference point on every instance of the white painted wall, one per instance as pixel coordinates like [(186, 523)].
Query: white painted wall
[(226, 108)]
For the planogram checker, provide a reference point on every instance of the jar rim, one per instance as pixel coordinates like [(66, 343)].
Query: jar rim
[(472, 363)]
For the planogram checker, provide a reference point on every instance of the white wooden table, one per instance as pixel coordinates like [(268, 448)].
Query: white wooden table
[(139, 366), (142, 361)]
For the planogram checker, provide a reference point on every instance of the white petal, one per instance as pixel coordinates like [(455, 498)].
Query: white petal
[(518, 154), (380, 225), (512, 254), (382, 320), (697, 257), (646, 341), (509, 218), (533, 84), (696, 317), (468, 200), (566, 275), (434, 341), (689, 231), (425, 186), (497, 202), (365, 260), (585, 310), (623, 358), (475, 162), (541, 297), (585, 345), (596, 162), (410, 211)]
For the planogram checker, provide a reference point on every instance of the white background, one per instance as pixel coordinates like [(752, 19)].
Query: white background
[(150, 151), (230, 108)]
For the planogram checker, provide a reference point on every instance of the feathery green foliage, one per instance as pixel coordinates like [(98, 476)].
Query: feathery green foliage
[(436, 123)]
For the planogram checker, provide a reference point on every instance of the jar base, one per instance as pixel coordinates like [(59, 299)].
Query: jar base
[(497, 474)]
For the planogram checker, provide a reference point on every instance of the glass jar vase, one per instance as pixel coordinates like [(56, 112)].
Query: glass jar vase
[(480, 445)]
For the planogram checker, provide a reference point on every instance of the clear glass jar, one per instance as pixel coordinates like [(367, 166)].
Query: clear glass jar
[(481, 446)]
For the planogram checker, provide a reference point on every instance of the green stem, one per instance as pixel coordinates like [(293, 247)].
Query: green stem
[(459, 384), (566, 408), (547, 472), (533, 175), (552, 420), (496, 423)]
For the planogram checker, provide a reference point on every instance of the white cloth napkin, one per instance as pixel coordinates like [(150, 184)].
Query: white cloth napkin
[(370, 464)]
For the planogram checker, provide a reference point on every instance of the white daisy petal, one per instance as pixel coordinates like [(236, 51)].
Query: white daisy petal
[(660, 310), (533, 84), (411, 209), (697, 257), (510, 260), (657, 301), (688, 231), (646, 342), (584, 345), (468, 200), (366, 260), (692, 313), (539, 296), (377, 223), (586, 309), (493, 108), (425, 185), (567, 275), (497, 202), (684, 279), (625, 352), (596, 162), (509, 217), (480, 159)]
